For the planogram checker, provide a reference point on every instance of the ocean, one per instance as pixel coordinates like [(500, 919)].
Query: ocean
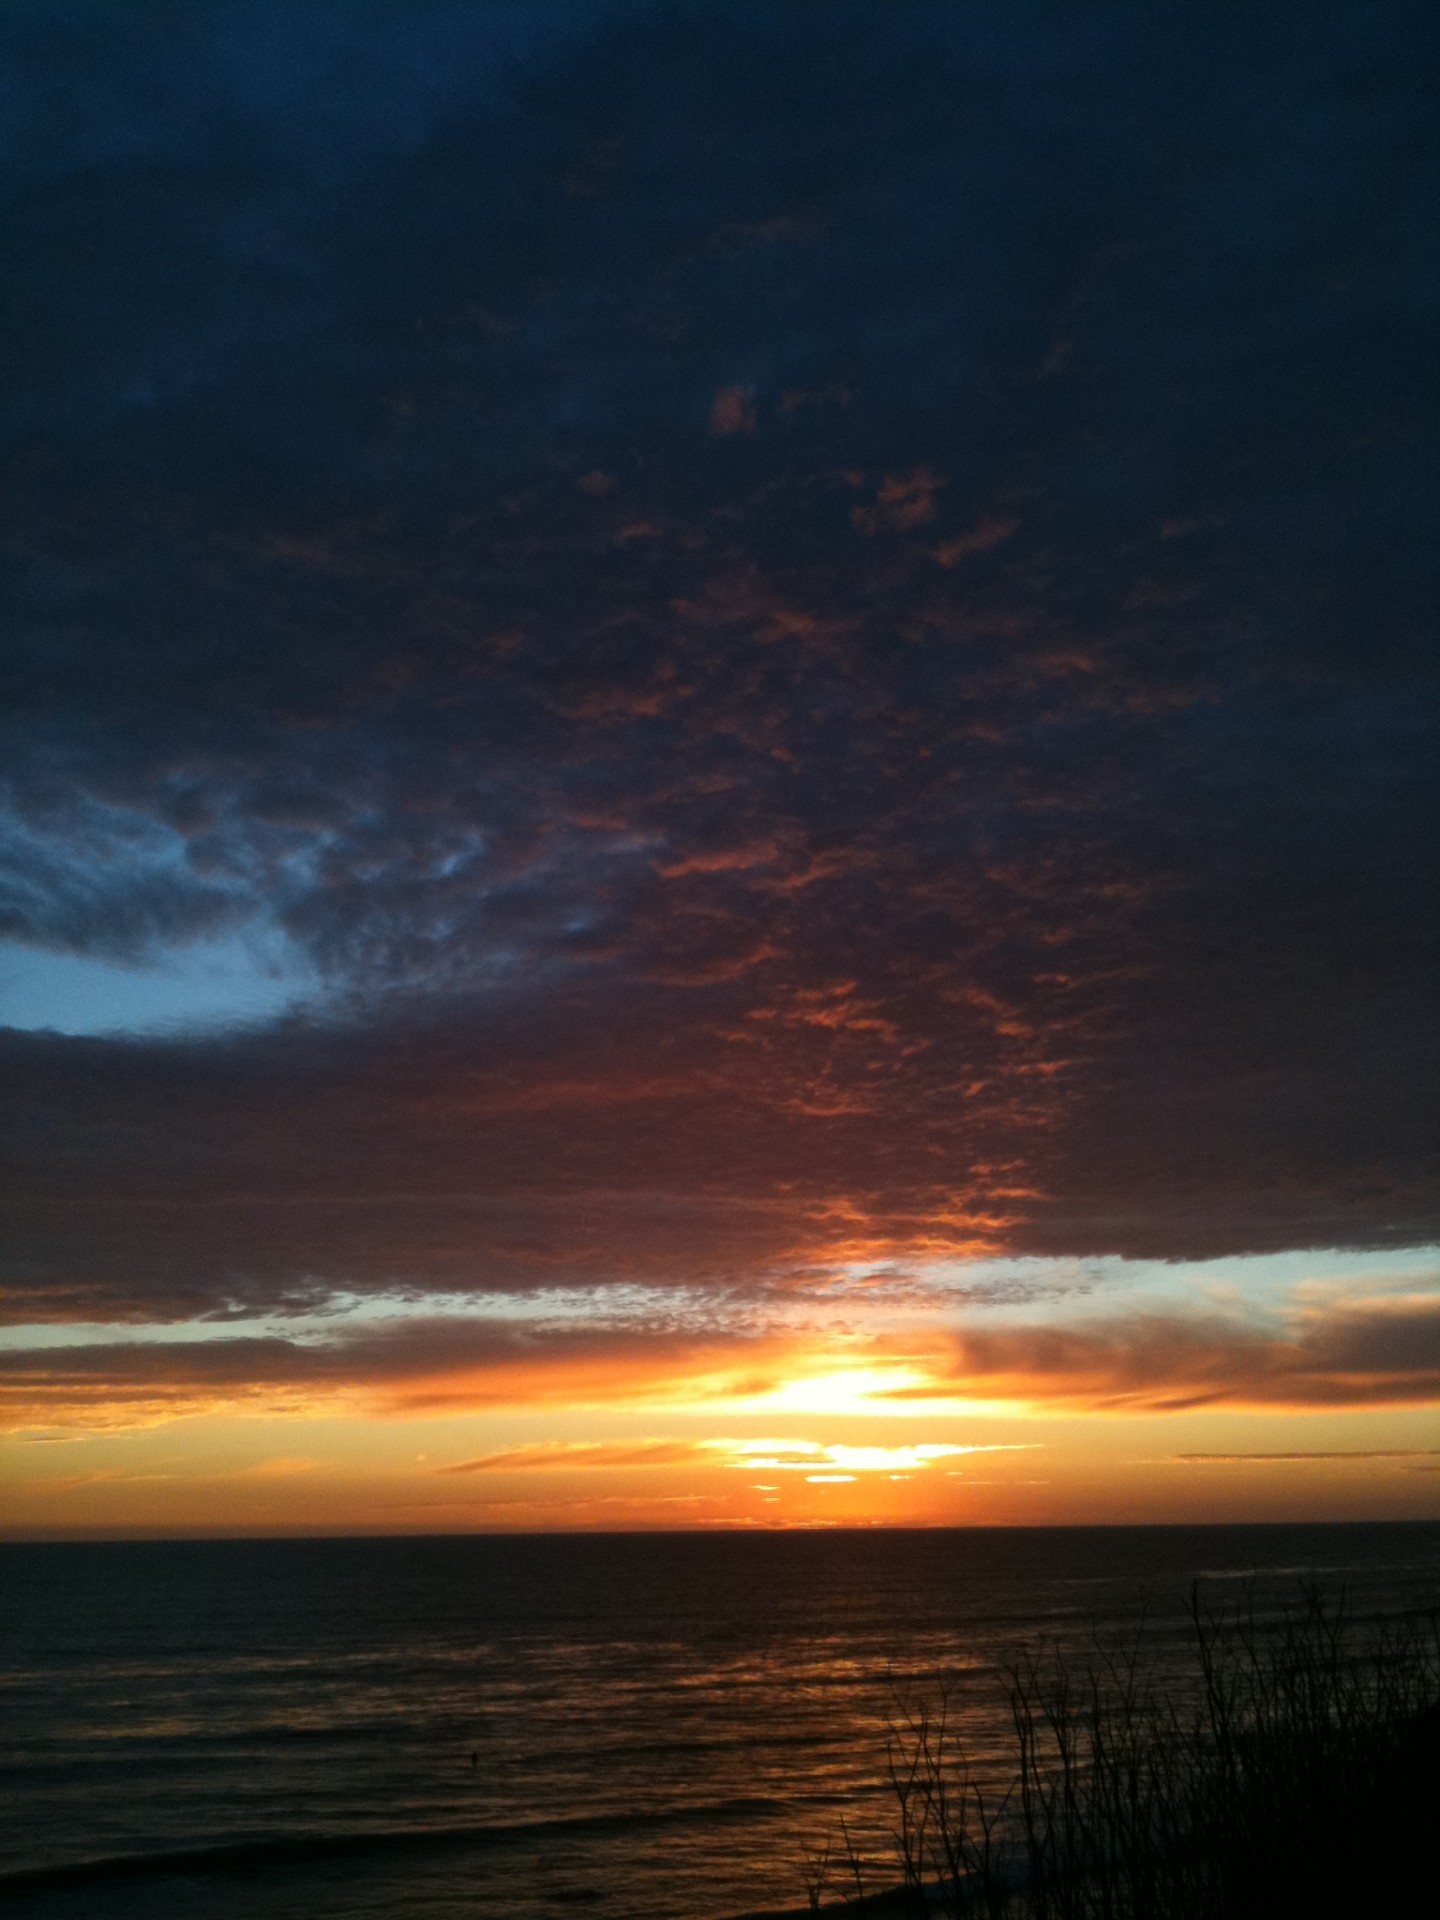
[(545, 1726)]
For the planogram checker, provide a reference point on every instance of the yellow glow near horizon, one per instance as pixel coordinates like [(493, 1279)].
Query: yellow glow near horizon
[(798, 1456), (534, 1468), (1169, 1403), (902, 1391), (846, 1390)]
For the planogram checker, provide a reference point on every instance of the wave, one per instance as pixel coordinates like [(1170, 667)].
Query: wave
[(237, 1857)]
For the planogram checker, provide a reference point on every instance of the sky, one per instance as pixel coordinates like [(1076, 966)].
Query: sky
[(718, 778)]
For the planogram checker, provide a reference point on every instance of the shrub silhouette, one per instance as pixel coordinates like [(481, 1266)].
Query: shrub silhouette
[(1291, 1770)]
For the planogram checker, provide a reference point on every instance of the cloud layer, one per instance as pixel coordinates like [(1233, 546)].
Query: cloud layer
[(1385, 1352), (818, 622)]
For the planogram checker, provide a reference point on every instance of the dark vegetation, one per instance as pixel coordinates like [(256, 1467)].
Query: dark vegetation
[(1291, 1767)]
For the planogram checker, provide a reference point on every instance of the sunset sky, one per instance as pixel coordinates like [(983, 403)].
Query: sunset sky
[(718, 776)]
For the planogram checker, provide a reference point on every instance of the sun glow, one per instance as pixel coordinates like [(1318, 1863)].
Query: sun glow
[(847, 1390), (898, 1390), (1146, 1393)]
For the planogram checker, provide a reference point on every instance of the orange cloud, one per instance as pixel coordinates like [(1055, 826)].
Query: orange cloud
[(805, 1456), (1306, 1456), (981, 538), (733, 410), (580, 1453), (903, 500), (720, 860)]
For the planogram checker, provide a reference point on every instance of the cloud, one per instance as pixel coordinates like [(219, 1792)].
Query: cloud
[(581, 1453), (902, 500), (748, 1456), (1381, 1353), (1386, 1353), (804, 1456), (986, 535), (733, 411), (421, 1364), (1261, 1459), (721, 906)]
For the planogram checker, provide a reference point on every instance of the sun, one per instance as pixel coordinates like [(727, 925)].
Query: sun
[(846, 1390)]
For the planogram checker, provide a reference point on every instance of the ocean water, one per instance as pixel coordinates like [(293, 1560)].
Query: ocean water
[(616, 1725)]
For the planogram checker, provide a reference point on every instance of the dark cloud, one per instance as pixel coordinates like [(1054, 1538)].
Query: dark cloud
[(427, 1364), (1388, 1351), (820, 620)]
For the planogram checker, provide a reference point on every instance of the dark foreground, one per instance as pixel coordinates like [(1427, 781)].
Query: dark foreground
[(1295, 1769)]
